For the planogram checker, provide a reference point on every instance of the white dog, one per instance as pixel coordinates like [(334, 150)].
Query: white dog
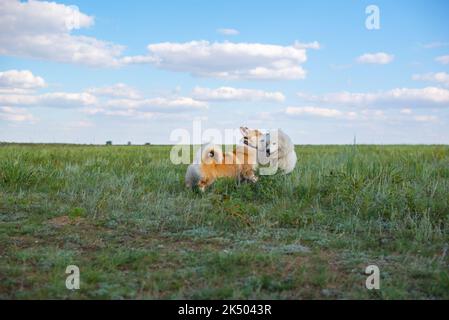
[(275, 146)]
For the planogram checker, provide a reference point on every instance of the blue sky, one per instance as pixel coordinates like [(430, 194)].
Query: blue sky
[(137, 70)]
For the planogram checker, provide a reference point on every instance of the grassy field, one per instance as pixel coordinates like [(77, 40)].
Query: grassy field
[(123, 215)]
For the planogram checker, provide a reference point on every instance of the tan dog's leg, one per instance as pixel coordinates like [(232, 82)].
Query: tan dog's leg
[(248, 173), (204, 183), (253, 178)]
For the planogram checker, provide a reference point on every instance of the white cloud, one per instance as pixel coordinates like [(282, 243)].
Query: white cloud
[(18, 99), (368, 114), (236, 94), (41, 16), (436, 44), (118, 90), (442, 59), (138, 60), (118, 98), (159, 104), (19, 87), (400, 97), (229, 60), (52, 100), (137, 114), (66, 100), (41, 29), (314, 111), (16, 115), (80, 124), (20, 79), (375, 58), (90, 104), (440, 77), (149, 108), (406, 111), (361, 116), (228, 31), (311, 45), (425, 118)]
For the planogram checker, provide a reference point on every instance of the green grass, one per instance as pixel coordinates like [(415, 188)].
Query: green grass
[(124, 217)]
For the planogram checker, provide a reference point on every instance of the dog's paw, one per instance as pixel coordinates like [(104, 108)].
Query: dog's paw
[(253, 179)]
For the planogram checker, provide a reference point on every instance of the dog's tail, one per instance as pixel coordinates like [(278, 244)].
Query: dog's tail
[(211, 153), (193, 175)]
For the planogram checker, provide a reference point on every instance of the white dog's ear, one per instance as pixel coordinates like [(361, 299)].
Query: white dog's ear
[(244, 131)]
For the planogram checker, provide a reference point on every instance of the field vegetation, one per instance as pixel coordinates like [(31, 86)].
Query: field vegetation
[(123, 215)]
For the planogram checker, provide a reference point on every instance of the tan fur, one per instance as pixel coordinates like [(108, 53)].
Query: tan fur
[(239, 164), (252, 136)]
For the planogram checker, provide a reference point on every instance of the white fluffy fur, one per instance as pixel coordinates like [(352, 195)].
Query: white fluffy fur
[(284, 154), (282, 149)]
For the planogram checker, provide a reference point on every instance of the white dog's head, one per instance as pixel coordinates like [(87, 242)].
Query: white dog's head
[(265, 142)]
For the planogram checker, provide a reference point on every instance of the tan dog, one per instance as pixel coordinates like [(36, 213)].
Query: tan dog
[(212, 163)]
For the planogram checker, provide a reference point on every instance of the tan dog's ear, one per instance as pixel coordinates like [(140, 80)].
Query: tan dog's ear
[(244, 131)]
